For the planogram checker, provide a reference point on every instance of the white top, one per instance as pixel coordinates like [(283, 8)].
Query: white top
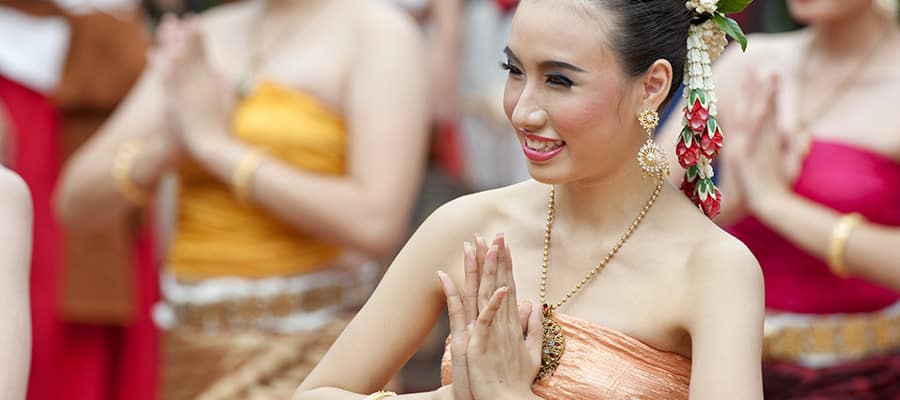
[(33, 49)]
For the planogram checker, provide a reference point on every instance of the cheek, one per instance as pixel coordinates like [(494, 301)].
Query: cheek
[(586, 120), (511, 94)]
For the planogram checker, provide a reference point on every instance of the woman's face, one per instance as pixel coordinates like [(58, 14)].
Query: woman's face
[(566, 96), (818, 11)]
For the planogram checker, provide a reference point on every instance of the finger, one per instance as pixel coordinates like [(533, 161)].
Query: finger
[(534, 336), (512, 298), (503, 278), (470, 297), (763, 110), (524, 310), (481, 249), (458, 334), (454, 306), (487, 314), (488, 282)]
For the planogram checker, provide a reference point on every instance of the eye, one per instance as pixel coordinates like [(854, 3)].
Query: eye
[(512, 69), (559, 80)]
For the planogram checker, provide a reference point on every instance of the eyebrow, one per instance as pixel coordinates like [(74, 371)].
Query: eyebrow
[(545, 64)]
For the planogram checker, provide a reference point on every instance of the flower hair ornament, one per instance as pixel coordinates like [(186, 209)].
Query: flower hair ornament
[(702, 137)]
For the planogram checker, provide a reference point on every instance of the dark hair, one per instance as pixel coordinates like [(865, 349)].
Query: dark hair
[(649, 30)]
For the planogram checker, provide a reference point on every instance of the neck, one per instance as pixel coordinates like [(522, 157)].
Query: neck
[(603, 203), (852, 34)]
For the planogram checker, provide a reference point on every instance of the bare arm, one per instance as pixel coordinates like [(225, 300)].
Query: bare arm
[(387, 117), (447, 17), (871, 251), (399, 315), (15, 260), (726, 324), (87, 196)]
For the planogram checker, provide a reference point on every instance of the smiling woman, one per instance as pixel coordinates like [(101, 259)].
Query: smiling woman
[(622, 287)]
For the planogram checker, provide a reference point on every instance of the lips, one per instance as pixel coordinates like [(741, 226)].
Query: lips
[(540, 149)]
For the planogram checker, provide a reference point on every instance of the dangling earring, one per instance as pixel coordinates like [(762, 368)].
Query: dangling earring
[(651, 157)]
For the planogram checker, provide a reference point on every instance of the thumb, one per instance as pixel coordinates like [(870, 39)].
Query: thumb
[(534, 336), (525, 310)]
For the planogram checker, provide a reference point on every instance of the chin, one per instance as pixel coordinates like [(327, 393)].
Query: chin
[(817, 11), (548, 174)]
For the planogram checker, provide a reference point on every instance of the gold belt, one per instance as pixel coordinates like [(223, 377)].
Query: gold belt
[(251, 312), (844, 337)]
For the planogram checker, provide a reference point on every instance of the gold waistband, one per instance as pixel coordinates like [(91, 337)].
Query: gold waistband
[(834, 338), (295, 304)]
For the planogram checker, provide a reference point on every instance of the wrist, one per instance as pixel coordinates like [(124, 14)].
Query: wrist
[(210, 147), (764, 203), (154, 160), (769, 207)]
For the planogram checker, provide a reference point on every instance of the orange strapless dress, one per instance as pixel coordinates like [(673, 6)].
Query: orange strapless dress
[(600, 363)]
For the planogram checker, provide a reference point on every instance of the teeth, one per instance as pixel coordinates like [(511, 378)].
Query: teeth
[(541, 145)]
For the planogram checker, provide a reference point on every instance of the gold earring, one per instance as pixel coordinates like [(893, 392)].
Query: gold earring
[(651, 157)]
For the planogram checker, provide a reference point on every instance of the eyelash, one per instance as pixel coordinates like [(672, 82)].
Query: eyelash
[(559, 80), (506, 66), (552, 79)]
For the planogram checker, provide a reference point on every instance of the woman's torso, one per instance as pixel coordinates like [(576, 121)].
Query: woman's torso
[(625, 295), (625, 335), (294, 114), (851, 166)]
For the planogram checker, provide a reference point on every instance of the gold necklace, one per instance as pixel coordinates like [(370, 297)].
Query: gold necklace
[(802, 125), (554, 338)]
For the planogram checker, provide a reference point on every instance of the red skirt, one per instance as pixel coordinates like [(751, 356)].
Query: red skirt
[(73, 361), (876, 378)]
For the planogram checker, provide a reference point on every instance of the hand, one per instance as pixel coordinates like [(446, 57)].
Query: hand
[(499, 361), (199, 102), (761, 158)]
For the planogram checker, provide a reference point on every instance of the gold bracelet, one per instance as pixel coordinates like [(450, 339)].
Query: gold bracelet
[(839, 235), (123, 166), (381, 394), (243, 175)]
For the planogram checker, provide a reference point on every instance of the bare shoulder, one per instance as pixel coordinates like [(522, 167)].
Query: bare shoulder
[(472, 213), (225, 16), (15, 198), (723, 272), (379, 22)]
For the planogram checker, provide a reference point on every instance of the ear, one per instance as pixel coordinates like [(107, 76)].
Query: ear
[(655, 84)]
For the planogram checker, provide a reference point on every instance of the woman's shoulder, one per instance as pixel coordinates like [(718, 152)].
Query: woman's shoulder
[(376, 20), (15, 203), (15, 191), (227, 15), (717, 260), (484, 211), (478, 209)]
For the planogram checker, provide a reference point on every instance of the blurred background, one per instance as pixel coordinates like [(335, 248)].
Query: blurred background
[(66, 65)]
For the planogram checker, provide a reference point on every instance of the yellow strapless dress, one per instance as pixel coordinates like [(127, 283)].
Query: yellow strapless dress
[(218, 236), (601, 363)]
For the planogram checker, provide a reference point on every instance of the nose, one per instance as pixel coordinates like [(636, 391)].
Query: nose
[(528, 113)]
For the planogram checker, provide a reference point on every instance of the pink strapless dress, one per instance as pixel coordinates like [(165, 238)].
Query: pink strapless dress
[(601, 364), (847, 179)]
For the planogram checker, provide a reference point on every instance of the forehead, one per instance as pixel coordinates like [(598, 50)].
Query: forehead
[(575, 31)]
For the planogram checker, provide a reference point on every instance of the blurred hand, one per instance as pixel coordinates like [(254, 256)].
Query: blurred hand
[(199, 102), (761, 157)]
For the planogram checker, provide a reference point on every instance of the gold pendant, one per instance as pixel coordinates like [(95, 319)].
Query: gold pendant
[(554, 345)]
